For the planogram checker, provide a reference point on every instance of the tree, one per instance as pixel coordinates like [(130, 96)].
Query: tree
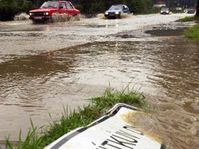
[(197, 8), (8, 9)]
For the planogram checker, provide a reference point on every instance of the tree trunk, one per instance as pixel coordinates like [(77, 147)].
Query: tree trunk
[(197, 9)]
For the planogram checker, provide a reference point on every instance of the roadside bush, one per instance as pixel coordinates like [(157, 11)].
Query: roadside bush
[(186, 19), (99, 6), (193, 33), (9, 8), (23, 5), (140, 6)]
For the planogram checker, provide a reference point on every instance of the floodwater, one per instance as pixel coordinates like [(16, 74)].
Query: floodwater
[(164, 67)]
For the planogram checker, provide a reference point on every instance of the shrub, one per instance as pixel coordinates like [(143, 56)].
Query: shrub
[(140, 6), (193, 33), (9, 8), (97, 6)]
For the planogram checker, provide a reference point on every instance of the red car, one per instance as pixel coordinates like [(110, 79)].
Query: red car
[(45, 12)]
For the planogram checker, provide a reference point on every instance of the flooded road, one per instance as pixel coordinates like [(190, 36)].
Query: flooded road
[(165, 67)]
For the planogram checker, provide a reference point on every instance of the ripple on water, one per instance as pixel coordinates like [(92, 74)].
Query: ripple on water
[(167, 71)]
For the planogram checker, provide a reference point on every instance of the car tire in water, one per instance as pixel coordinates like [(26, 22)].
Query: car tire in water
[(77, 17), (118, 16)]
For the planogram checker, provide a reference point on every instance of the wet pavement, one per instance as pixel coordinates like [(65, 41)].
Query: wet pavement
[(153, 59)]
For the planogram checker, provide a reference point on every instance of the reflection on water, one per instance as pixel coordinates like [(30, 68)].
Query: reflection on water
[(166, 71)]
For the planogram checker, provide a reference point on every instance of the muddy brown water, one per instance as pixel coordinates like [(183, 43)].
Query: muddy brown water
[(166, 71)]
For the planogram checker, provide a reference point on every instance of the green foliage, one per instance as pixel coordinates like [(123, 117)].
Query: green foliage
[(197, 8), (186, 19), (99, 6), (193, 33), (109, 99), (76, 119), (24, 5), (9, 8)]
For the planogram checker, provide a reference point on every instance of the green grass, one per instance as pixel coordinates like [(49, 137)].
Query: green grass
[(84, 116), (189, 19), (193, 33)]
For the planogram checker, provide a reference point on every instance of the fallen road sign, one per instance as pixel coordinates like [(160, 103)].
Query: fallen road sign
[(111, 131)]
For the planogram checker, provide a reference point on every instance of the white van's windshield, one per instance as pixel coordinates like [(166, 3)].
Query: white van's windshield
[(116, 7)]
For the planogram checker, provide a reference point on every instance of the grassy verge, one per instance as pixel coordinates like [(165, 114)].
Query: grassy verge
[(193, 33), (83, 117), (189, 19)]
